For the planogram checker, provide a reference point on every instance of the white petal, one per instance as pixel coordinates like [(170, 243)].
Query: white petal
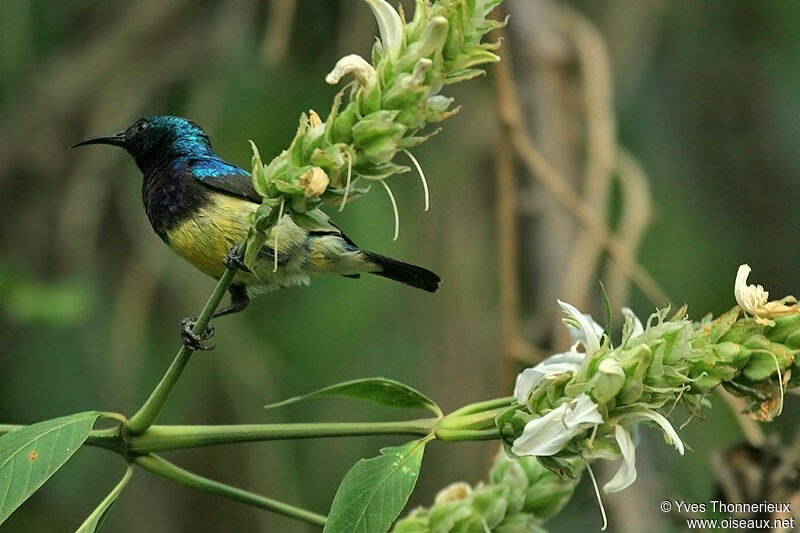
[(626, 474), (577, 334), (591, 337), (554, 365), (570, 357), (583, 412), (545, 435), (549, 434), (526, 382), (363, 71), (638, 327), (389, 24), (666, 427), (749, 297)]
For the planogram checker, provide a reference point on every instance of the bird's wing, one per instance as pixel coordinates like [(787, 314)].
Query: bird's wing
[(340, 232), (224, 177), (229, 179)]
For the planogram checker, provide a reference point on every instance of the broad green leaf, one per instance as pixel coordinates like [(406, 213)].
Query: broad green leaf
[(30, 455), (94, 520), (377, 390), (374, 491)]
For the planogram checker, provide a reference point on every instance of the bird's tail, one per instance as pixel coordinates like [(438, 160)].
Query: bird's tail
[(413, 275)]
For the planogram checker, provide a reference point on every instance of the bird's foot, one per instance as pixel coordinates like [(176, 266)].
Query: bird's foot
[(194, 341), (234, 260)]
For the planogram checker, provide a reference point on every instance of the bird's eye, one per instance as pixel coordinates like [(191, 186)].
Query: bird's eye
[(142, 125)]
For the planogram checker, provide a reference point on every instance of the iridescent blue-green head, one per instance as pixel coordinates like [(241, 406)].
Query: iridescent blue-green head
[(157, 139)]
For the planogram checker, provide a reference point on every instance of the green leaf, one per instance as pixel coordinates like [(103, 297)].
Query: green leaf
[(30, 455), (379, 172), (95, 520), (374, 491), (382, 391), (314, 220), (763, 364)]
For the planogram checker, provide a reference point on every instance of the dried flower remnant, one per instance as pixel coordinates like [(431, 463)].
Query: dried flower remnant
[(753, 299)]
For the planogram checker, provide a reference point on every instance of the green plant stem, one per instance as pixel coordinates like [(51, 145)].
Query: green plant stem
[(163, 438), (147, 415), (460, 435), (480, 420), (473, 422), (483, 406), (167, 470)]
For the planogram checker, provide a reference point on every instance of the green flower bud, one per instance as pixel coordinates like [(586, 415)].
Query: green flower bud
[(454, 492), (416, 522), (377, 136), (342, 130), (431, 41), (609, 379), (443, 517), (509, 472), (490, 503), (334, 160), (314, 137)]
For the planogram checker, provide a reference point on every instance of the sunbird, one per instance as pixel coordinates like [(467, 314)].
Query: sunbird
[(200, 206)]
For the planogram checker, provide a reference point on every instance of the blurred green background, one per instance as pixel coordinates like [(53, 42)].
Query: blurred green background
[(705, 97)]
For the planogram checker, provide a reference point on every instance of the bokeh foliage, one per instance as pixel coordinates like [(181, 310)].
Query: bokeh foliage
[(706, 97)]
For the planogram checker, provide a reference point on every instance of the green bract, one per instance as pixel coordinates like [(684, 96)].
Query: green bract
[(519, 496), (384, 109)]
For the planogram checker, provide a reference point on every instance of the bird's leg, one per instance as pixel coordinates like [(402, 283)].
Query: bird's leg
[(190, 339), (234, 260), (239, 302)]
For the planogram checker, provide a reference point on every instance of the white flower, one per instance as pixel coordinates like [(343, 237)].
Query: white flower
[(587, 331), (551, 367), (626, 474), (753, 299), (750, 297), (637, 328), (363, 71), (549, 434), (389, 25)]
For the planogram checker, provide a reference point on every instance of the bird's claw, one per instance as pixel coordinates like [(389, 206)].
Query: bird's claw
[(195, 341), (234, 260)]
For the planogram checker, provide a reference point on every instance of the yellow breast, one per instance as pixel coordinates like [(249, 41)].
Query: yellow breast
[(207, 236)]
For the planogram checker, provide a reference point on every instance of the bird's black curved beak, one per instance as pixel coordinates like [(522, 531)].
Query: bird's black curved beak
[(114, 140)]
